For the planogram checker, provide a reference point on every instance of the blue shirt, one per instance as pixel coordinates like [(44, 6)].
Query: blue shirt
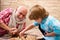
[(50, 24)]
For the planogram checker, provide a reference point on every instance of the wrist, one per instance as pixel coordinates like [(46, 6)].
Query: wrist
[(9, 29)]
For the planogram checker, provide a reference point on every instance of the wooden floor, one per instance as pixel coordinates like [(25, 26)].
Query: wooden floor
[(31, 35)]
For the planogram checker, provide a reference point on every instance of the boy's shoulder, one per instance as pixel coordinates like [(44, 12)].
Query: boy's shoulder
[(52, 19)]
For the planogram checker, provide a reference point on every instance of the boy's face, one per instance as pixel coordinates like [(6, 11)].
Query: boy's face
[(38, 20)]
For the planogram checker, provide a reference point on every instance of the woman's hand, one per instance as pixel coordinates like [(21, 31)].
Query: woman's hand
[(13, 30)]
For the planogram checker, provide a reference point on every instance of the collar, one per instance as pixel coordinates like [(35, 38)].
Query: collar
[(44, 20)]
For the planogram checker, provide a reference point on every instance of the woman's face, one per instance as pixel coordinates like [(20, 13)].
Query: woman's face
[(39, 20), (21, 14)]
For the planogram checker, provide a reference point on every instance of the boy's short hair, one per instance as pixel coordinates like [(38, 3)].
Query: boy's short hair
[(37, 12)]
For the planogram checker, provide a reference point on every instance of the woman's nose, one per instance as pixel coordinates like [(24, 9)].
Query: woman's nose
[(21, 16)]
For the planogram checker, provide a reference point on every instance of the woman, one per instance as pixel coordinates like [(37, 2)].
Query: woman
[(14, 22)]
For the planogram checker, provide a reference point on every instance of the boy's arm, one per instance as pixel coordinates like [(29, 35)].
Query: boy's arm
[(27, 28)]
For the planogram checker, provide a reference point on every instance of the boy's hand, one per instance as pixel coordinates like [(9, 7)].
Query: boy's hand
[(50, 34), (46, 34), (21, 34)]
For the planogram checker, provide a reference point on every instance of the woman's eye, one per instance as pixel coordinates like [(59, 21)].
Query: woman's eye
[(20, 13), (23, 15)]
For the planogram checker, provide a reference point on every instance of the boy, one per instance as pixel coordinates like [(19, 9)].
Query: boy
[(49, 24)]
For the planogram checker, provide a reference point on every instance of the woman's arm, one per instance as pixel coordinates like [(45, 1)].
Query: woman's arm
[(11, 30), (4, 26)]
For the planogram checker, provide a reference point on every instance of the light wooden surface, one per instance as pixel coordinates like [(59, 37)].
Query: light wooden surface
[(34, 33)]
